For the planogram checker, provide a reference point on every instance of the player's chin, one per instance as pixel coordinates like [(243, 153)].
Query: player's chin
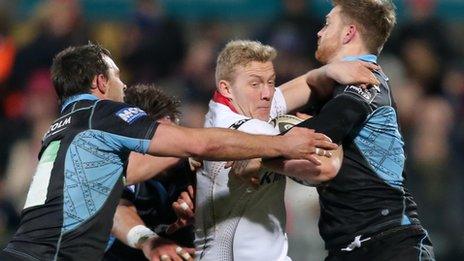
[(262, 114)]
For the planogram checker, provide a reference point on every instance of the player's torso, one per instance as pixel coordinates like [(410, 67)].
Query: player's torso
[(368, 194), (232, 220), (75, 190)]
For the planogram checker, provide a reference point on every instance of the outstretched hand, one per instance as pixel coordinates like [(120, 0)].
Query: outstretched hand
[(303, 143), (184, 208), (162, 249), (353, 72)]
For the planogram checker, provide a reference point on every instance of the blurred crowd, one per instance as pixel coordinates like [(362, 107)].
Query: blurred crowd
[(424, 60)]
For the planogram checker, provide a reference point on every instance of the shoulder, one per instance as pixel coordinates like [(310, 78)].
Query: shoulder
[(375, 96), (279, 105), (255, 126), (119, 110), (221, 116)]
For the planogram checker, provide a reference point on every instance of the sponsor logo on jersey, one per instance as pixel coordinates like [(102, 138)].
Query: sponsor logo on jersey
[(58, 126), (366, 94), (130, 115)]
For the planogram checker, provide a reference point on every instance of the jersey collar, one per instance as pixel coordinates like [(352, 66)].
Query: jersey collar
[(78, 97), (365, 57), (219, 98)]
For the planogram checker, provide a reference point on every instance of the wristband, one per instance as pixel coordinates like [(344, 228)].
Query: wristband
[(138, 235)]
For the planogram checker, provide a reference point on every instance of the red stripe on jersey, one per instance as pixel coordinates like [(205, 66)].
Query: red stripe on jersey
[(219, 98)]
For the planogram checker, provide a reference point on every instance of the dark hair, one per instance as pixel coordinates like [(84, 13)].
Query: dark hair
[(74, 68), (153, 101), (375, 17)]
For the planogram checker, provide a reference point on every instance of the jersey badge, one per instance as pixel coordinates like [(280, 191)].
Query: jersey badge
[(130, 115), (366, 94)]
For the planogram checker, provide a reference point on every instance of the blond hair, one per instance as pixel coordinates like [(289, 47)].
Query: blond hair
[(376, 18), (241, 53)]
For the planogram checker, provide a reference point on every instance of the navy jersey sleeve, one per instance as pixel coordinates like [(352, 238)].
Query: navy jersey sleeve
[(126, 127), (343, 114)]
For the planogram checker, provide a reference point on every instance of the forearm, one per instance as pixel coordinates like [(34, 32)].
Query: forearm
[(224, 144), (321, 86), (124, 220), (306, 170), (213, 144), (321, 81), (143, 167), (296, 93)]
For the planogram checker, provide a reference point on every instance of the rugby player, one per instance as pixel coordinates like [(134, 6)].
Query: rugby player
[(233, 221), (144, 213), (74, 193), (366, 211)]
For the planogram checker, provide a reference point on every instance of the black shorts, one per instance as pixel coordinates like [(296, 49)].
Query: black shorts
[(407, 244)]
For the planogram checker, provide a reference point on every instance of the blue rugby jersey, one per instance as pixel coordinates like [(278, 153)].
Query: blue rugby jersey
[(70, 205), (368, 195)]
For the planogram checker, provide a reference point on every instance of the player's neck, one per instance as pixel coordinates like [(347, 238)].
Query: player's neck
[(349, 50)]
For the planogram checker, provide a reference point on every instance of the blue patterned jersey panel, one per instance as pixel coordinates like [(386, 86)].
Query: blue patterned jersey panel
[(382, 145), (94, 163)]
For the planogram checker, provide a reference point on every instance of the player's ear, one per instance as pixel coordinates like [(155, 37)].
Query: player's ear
[(224, 88), (350, 33), (99, 84)]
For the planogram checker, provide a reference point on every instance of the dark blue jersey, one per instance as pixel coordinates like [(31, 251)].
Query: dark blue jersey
[(368, 194), (70, 205), (153, 200)]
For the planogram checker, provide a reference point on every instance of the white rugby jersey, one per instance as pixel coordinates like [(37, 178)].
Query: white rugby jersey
[(232, 220)]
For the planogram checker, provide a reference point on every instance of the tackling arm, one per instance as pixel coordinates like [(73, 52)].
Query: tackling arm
[(306, 171), (321, 81), (224, 144), (130, 229), (143, 167), (337, 119)]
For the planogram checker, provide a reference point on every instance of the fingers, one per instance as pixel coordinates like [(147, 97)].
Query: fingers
[(365, 69), (229, 164), (181, 211), (303, 116), (314, 159), (185, 252), (185, 197), (194, 164), (191, 192), (322, 137), (321, 152), (369, 65), (325, 145), (180, 223)]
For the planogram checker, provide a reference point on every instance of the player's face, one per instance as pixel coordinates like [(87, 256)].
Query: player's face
[(330, 36), (115, 87), (253, 88)]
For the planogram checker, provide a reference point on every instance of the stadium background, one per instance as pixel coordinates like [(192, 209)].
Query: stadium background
[(173, 43)]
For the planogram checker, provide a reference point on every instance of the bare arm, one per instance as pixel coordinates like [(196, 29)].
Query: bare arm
[(307, 171), (126, 218), (143, 167), (225, 144), (321, 81)]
